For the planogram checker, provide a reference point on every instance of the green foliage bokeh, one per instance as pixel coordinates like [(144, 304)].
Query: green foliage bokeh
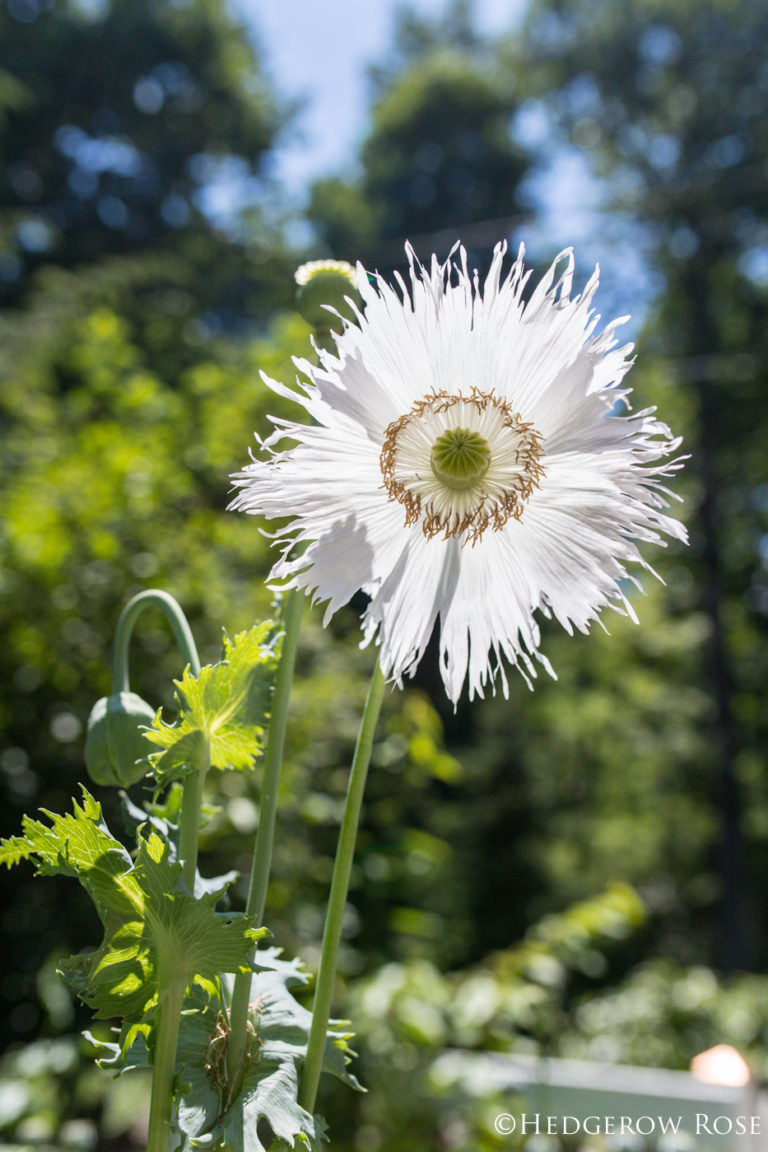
[(130, 390)]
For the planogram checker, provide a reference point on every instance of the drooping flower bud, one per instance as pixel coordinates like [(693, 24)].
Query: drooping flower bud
[(326, 282), (115, 745)]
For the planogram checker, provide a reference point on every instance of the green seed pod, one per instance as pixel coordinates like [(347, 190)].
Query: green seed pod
[(115, 742), (326, 282)]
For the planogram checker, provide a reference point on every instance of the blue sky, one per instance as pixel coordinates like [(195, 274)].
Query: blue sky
[(319, 50)]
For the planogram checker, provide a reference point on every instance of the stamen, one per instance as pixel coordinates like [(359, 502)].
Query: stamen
[(460, 464)]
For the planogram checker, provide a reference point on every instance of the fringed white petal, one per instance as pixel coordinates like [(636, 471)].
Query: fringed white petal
[(596, 483)]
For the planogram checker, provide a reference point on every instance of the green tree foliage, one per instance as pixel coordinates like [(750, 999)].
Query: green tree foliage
[(125, 485), (125, 407), (92, 487), (609, 771), (126, 403), (669, 100), (644, 761), (131, 128), (117, 120)]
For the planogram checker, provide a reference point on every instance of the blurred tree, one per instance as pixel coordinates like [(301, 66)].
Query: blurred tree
[(118, 123), (128, 394), (670, 102), (128, 127), (546, 809), (439, 162), (648, 93), (122, 487), (125, 405)]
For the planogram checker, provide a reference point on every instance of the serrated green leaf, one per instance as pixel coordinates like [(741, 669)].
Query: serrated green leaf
[(222, 712), (276, 1052), (155, 932), (80, 845), (123, 1055), (157, 817), (13, 850), (206, 1118), (282, 1024), (270, 1094), (186, 752), (200, 1067)]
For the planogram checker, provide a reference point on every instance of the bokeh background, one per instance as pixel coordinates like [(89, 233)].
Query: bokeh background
[(577, 871)]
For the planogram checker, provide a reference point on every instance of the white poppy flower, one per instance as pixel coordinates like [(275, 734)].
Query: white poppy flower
[(467, 463)]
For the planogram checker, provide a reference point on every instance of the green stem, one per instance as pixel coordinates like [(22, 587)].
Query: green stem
[(342, 869), (161, 1104), (262, 855), (189, 817), (172, 993), (156, 598)]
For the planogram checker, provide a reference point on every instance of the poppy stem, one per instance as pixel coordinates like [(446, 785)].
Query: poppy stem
[(342, 870), (262, 855)]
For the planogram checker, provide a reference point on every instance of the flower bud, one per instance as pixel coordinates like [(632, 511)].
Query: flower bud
[(326, 282), (115, 743)]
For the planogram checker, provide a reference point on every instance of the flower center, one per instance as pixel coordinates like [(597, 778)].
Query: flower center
[(460, 457), (460, 464)]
